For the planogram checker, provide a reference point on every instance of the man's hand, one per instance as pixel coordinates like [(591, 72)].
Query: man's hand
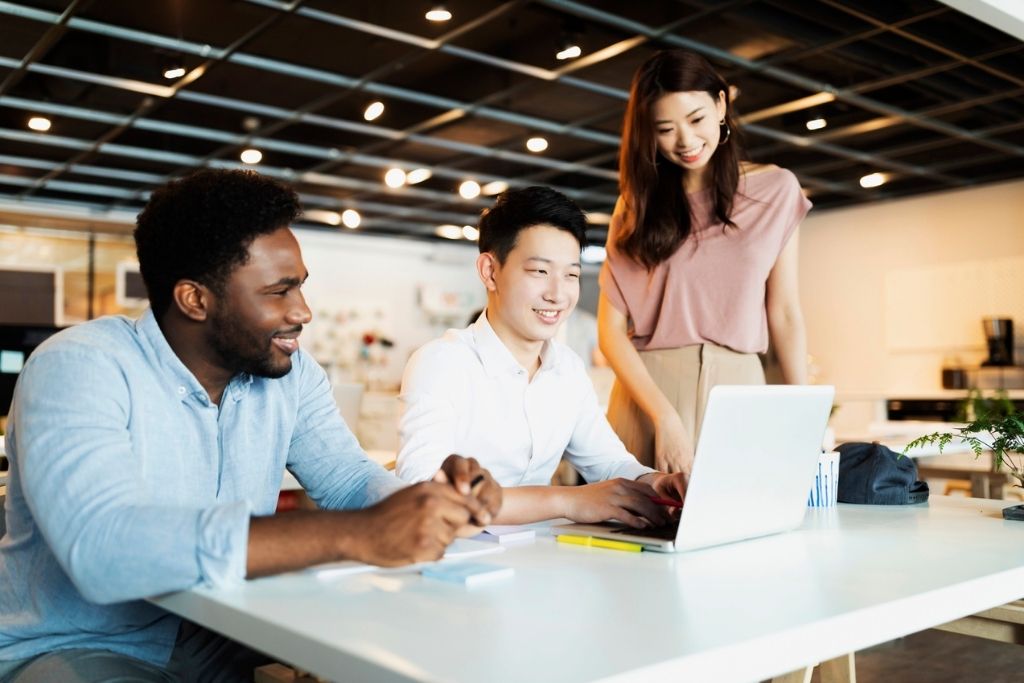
[(415, 524), (623, 500), (673, 447), (467, 477), (672, 486)]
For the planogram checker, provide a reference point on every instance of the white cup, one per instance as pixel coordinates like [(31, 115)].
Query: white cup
[(825, 488)]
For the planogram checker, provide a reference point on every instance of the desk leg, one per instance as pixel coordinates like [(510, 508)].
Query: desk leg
[(842, 669), (839, 670), (979, 485), (798, 676), (1004, 623)]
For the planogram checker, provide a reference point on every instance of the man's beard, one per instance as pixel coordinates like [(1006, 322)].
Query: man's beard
[(240, 350)]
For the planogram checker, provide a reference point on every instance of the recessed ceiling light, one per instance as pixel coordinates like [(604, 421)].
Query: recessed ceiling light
[(351, 218), (873, 180), (599, 218), (494, 187), (251, 156), (322, 216), (39, 123), (373, 110), (395, 177), (816, 124), (174, 71), (417, 175), (537, 144), (569, 52), (451, 232), (438, 13), (470, 233), (469, 189)]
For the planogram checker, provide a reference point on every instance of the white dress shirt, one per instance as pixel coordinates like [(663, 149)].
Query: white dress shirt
[(466, 394)]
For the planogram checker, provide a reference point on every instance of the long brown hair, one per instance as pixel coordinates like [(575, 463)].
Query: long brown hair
[(658, 217)]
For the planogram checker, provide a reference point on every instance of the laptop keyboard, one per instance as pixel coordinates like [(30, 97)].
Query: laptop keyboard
[(664, 533)]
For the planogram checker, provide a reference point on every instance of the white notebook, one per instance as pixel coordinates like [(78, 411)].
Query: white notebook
[(504, 534), (460, 549)]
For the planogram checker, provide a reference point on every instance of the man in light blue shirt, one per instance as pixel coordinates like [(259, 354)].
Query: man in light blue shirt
[(146, 456)]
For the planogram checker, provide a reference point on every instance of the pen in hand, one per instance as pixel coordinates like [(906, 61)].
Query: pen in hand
[(474, 487)]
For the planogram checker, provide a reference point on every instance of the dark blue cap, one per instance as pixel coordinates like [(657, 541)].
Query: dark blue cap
[(871, 474)]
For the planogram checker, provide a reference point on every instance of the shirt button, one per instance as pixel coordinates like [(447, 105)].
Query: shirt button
[(181, 391)]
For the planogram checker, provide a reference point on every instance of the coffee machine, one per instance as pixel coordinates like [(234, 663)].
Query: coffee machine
[(999, 333)]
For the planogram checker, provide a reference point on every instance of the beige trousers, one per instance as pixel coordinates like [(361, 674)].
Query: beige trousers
[(685, 375)]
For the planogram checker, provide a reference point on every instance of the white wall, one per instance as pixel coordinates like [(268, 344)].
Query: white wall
[(847, 256), (379, 280)]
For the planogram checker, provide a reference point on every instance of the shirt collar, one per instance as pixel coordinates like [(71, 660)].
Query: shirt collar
[(497, 358), (185, 383)]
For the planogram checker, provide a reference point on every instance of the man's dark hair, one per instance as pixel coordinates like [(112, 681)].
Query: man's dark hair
[(517, 210), (200, 228)]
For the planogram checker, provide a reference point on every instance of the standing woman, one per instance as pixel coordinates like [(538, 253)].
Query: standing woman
[(701, 265)]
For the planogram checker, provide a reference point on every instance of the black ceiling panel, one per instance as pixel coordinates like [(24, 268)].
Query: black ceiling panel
[(922, 93)]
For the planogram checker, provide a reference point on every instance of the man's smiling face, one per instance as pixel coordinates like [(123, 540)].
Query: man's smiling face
[(537, 286), (255, 325)]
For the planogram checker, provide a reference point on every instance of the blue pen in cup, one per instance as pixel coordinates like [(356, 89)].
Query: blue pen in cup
[(825, 490)]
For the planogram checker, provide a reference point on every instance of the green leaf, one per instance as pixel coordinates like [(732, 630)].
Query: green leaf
[(995, 417)]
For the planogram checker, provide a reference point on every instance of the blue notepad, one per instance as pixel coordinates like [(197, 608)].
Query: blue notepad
[(468, 573)]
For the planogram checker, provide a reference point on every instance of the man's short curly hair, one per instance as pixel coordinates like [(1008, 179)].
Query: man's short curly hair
[(200, 228)]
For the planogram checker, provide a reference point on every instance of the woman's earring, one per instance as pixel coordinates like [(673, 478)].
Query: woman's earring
[(723, 132)]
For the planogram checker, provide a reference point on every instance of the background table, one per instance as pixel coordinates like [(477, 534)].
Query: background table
[(849, 578), (984, 480)]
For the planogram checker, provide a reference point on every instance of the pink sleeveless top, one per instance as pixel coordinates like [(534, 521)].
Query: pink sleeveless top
[(712, 289)]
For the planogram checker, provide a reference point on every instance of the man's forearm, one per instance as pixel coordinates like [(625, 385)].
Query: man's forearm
[(300, 539), (526, 504)]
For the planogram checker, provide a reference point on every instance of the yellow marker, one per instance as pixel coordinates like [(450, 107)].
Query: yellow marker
[(599, 543)]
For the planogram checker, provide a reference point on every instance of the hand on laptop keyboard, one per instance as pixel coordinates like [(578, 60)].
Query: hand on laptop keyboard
[(628, 502), (665, 533)]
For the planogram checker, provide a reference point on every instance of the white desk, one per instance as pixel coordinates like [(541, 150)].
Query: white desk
[(850, 578)]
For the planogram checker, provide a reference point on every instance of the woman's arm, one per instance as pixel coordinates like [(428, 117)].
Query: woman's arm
[(785, 319), (673, 447)]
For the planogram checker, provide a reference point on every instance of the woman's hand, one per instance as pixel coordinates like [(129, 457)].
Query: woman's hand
[(673, 446)]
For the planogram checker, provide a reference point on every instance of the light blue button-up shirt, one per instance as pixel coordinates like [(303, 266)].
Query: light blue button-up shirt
[(126, 481)]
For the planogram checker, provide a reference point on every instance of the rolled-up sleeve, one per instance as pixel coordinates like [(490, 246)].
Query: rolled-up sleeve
[(324, 454), (85, 489)]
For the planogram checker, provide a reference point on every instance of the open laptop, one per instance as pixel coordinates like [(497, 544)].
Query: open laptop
[(754, 466)]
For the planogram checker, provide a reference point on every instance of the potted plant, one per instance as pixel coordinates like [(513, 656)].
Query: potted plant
[(997, 428)]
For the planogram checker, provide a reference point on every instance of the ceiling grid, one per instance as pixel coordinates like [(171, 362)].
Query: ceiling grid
[(911, 89)]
